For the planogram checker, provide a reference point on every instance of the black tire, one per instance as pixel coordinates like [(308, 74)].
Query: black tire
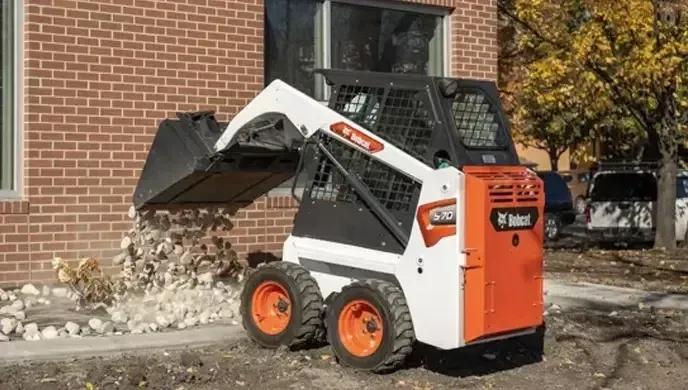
[(552, 227), (398, 335), (305, 323)]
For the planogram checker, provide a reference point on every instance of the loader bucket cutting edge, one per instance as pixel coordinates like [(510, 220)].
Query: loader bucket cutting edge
[(183, 169)]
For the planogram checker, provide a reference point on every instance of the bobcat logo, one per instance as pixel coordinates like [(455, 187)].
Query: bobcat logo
[(502, 219), (517, 218)]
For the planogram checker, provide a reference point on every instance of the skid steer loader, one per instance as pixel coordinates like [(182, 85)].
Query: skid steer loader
[(416, 221)]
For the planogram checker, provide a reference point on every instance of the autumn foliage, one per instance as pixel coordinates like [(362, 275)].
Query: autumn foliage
[(591, 66)]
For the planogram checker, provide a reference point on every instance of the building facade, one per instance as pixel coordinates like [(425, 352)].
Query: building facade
[(85, 84)]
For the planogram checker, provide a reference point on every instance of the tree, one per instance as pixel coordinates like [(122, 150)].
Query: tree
[(554, 121), (629, 56)]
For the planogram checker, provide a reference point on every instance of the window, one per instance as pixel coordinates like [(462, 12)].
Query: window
[(682, 187), (624, 187), (8, 139), (290, 49), (303, 35)]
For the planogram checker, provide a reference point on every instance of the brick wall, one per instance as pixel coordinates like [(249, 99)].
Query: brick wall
[(98, 77)]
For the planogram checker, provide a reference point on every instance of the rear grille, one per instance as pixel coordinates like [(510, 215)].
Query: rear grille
[(517, 186), (514, 192)]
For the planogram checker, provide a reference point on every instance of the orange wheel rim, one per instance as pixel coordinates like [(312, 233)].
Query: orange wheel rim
[(360, 328), (271, 308)]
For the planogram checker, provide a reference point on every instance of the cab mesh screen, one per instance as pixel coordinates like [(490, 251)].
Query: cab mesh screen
[(395, 191), (476, 120), (400, 116)]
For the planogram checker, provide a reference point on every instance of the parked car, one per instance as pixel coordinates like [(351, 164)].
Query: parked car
[(622, 204), (577, 180), (559, 210)]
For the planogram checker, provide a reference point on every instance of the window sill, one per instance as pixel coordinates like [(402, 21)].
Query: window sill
[(9, 206)]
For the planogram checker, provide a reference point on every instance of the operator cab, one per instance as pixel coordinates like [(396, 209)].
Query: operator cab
[(440, 121)]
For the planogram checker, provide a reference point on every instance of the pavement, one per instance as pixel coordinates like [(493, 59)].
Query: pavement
[(58, 349), (601, 296), (565, 295)]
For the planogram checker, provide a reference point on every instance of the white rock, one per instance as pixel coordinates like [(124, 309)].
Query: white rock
[(132, 212), (125, 243), (3, 338), (7, 325), (72, 328), (60, 292), (86, 330), (49, 333), (206, 278), (234, 323), (19, 329), (107, 328), (191, 321), (119, 316), (204, 317), (12, 296), (31, 332), (186, 258), (95, 323), (3, 295), (132, 325), (30, 289), (225, 312), (555, 307), (18, 304), (153, 327), (8, 309), (181, 325), (46, 291), (20, 315), (162, 321), (119, 259)]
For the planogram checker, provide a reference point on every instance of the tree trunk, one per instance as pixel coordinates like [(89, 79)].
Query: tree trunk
[(554, 160), (665, 234)]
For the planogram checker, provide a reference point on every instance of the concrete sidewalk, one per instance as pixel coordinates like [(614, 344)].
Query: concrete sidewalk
[(57, 349), (601, 296)]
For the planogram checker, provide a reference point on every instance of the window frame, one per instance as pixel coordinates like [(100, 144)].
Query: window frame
[(324, 24), (17, 110), (323, 42), (323, 36)]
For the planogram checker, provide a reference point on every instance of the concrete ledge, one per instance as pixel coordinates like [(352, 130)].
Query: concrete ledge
[(595, 295), (57, 349)]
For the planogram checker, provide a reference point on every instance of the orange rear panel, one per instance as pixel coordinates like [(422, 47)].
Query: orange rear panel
[(504, 234)]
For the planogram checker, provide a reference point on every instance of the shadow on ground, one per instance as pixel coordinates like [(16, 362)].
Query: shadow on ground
[(482, 359)]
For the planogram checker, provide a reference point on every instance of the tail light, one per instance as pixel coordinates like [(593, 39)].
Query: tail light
[(587, 213)]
